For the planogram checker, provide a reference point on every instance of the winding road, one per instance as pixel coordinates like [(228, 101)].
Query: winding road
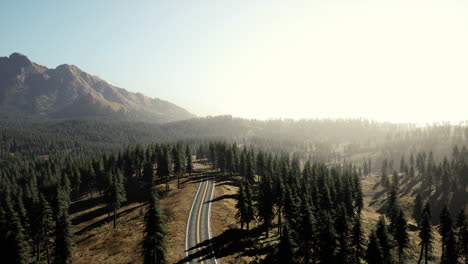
[(198, 246)]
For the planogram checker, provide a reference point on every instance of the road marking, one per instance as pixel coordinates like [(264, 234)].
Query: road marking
[(188, 221), (209, 221), (198, 218)]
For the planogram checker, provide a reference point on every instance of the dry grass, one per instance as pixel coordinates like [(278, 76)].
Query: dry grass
[(373, 203), (98, 242)]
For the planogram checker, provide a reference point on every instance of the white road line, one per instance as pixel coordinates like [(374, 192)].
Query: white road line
[(209, 223), (188, 221)]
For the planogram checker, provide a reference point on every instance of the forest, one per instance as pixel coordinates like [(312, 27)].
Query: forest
[(313, 206)]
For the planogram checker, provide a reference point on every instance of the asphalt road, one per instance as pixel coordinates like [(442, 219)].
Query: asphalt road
[(198, 234)]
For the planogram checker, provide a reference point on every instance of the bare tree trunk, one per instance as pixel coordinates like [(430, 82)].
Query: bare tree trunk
[(114, 217), (426, 253), (421, 254)]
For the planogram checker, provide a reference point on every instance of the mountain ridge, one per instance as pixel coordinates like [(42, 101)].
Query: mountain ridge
[(68, 92)]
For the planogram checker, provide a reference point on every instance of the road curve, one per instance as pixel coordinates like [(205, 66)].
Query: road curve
[(198, 246)]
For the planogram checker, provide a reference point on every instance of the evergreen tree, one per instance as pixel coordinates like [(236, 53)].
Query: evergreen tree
[(358, 241), (400, 234), (148, 172), (462, 235), (115, 193), (164, 165), (178, 161), (344, 252), (417, 209), (384, 239), (250, 173), (327, 238), (15, 246), (63, 230), (266, 202), (249, 203), (374, 253), (242, 205), (154, 250), (402, 164), (393, 205), (45, 224), (449, 245), (189, 162), (286, 247), (384, 180), (308, 234), (425, 234)]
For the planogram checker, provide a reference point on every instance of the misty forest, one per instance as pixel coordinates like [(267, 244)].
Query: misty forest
[(248, 132)]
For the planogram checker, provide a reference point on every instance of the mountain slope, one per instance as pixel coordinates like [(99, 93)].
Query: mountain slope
[(68, 92)]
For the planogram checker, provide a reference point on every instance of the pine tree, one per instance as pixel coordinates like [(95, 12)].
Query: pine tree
[(154, 250), (15, 246), (384, 239), (164, 165), (449, 245), (358, 200), (148, 172), (63, 230), (249, 203), (425, 234), (266, 202), (344, 252), (402, 164), (286, 247), (189, 162), (384, 180), (417, 209), (374, 253), (462, 235), (358, 240), (115, 193), (400, 234), (393, 205), (45, 224), (307, 234), (178, 162), (250, 173), (241, 205), (327, 238)]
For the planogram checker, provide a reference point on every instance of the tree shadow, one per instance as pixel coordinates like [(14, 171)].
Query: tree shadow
[(228, 243), (90, 215), (378, 194), (226, 196), (106, 220), (409, 187), (85, 204)]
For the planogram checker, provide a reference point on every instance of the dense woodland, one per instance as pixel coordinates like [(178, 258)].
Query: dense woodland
[(302, 177), (328, 141), (318, 207)]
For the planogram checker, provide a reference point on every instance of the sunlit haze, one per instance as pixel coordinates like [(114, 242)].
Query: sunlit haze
[(399, 61)]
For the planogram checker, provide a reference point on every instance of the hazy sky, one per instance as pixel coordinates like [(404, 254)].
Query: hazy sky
[(385, 60)]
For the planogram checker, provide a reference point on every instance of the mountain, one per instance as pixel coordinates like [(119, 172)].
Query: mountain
[(27, 88)]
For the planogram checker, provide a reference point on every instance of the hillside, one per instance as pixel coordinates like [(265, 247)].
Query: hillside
[(27, 88)]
